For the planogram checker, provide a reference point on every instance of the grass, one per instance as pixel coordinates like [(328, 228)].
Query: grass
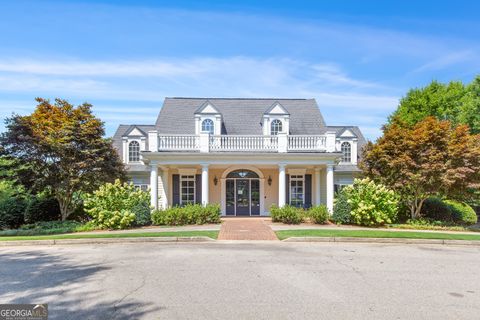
[(433, 227), (283, 234), (48, 227), (205, 233)]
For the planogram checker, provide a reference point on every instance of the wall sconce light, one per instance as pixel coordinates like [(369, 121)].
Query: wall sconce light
[(269, 180), (215, 180)]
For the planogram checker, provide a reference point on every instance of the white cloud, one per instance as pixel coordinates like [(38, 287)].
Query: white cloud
[(448, 60), (146, 81)]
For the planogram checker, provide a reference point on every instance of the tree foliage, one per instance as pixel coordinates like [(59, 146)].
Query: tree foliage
[(431, 158), (454, 101), (60, 148)]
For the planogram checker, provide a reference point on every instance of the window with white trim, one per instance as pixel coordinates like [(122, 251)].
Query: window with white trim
[(142, 186), (297, 190), (208, 126), (134, 151), (346, 152), (187, 189), (275, 127)]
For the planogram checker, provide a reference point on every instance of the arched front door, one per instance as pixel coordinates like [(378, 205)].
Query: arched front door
[(242, 193)]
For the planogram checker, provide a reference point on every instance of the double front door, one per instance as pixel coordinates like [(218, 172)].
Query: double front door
[(243, 197)]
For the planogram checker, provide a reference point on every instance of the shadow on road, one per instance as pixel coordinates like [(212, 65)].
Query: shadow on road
[(36, 277)]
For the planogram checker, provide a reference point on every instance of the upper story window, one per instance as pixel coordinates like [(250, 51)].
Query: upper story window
[(346, 152), (133, 151), (275, 127), (208, 126)]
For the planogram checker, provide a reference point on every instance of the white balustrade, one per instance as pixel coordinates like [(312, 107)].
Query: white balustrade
[(243, 143), (306, 143), (237, 143), (178, 142)]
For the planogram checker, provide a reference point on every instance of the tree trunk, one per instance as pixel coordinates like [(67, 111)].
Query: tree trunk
[(64, 203)]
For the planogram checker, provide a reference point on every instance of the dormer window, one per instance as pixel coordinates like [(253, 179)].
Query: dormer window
[(346, 152), (208, 126), (275, 127), (134, 151)]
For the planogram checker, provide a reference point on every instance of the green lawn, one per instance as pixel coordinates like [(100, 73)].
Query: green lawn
[(283, 234), (211, 234)]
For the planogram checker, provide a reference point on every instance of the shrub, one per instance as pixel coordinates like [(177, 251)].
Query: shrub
[(189, 214), (462, 213), (372, 204), (341, 209), (42, 209), (142, 214), (449, 211), (12, 212), (436, 209), (287, 214), (114, 205), (318, 214)]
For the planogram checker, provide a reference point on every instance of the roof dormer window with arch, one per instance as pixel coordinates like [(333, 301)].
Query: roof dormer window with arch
[(208, 119), (276, 120)]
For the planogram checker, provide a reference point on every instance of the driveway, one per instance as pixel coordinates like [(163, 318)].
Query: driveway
[(245, 280)]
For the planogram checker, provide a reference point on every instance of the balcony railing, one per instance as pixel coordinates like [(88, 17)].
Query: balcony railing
[(242, 143)]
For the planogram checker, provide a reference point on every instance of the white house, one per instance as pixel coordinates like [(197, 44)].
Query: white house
[(245, 154)]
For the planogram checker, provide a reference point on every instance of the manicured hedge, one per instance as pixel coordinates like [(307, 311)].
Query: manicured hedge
[(188, 214), (449, 211), (293, 215), (42, 209)]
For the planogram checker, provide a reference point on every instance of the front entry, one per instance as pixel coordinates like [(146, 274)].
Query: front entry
[(242, 193)]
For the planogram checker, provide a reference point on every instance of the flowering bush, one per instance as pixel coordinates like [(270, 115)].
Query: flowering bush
[(116, 205), (371, 204)]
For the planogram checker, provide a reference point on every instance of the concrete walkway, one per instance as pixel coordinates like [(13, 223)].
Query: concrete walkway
[(246, 229)]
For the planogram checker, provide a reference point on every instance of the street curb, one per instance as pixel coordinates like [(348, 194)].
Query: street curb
[(383, 240), (103, 241)]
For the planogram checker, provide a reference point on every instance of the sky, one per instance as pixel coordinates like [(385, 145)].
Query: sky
[(356, 58)]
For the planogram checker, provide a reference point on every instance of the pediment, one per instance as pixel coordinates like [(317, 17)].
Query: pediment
[(347, 133), (207, 108), (277, 109), (134, 131)]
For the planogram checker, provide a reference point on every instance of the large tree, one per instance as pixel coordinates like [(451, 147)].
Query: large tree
[(454, 101), (431, 158), (61, 149)]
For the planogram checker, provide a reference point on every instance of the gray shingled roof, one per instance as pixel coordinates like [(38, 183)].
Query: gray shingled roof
[(356, 130), (240, 116), (124, 128)]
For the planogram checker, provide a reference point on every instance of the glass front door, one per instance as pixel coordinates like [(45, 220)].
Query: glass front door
[(242, 197)]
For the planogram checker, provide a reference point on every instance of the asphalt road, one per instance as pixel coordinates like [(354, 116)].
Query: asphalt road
[(245, 281)]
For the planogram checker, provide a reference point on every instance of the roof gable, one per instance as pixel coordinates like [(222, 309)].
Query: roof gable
[(207, 108), (277, 108), (134, 131), (347, 133)]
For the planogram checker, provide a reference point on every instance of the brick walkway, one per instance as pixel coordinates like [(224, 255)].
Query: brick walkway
[(246, 229)]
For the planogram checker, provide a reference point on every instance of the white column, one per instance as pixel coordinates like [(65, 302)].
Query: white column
[(205, 184), (223, 195), (154, 185), (281, 185), (165, 189), (262, 196), (317, 186), (330, 188)]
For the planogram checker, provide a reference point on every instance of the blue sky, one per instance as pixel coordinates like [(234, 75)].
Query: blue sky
[(357, 58)]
